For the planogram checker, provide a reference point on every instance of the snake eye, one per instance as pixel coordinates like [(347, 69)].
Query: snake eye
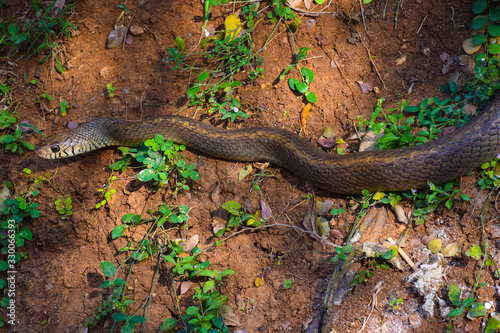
[(55, 148)]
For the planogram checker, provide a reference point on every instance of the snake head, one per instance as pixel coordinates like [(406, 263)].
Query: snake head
[(56, 146)]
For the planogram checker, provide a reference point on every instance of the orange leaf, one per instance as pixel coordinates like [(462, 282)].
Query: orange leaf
[(304, 114)]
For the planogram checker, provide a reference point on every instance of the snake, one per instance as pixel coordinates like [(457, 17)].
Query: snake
[(438, 161)]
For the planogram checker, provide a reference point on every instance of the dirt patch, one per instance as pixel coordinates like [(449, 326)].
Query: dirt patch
[(58, 283)]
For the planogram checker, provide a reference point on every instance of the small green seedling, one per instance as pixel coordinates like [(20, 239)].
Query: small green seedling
[(111, 90), (64, 206)]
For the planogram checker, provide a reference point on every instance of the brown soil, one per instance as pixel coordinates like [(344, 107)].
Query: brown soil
[(58, 283)]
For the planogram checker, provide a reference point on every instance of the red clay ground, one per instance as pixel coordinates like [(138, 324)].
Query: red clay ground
[(58, 283)]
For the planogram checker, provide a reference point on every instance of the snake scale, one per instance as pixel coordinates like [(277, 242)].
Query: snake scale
[(438, 161)]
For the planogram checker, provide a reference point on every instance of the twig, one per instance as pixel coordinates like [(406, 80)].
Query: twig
[(375, 290), (373, 63), (348, 84), (425, 18), (126, 31), (385, 7), (363, 15), (453, 17), (402, 253)]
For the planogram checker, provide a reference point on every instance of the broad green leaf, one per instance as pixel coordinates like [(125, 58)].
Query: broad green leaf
[(478, 23), (146, 175), (311, 97), (474, 252), (391, 253), (454, 294), (308, 75), (168, 324), (478, 39), (302, 53), (494, 48), (494, 15), (179, 42), (494, 30), (203, 76), (477, 310), (456, 312), (479, 6), (118, 231), (108, 269)]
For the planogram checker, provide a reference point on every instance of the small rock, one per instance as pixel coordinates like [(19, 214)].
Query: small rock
[(136, 30), (495, 231), (104, 72)]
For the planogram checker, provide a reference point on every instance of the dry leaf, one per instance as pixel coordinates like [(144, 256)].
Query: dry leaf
[(435, 245), (426, 239), (369, 140), (218, 228), (401, 60), (469, 46), (308, 4), (328, 132), (444, 57), (240, 302), (245, 171), (451, 250), (115, 37), (191, 243), (294, 3), (469, 109), (310, 24), (215, 195), (231, 319), (266, 211), (365, 87), (400, 214), (327, 142), (334, 233), (323, 226), (185, 286), (320, 207)]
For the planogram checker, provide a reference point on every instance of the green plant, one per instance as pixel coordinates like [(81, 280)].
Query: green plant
[(239, 218), (229, 53), (490, 176), (14, 135), (486, 25), (361, 277), (13, 230), (303, 87), (63, 206), (426, 201), (341, 253), (111, 90), (64, 107), (161, 159), (107, 192), (117, 302), (395, 302), (40, 29)]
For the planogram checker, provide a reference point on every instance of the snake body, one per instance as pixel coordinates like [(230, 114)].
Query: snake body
[(438, 161)]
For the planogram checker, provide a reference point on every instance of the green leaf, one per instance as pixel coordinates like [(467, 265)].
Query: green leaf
[(119, 316), (146, 175), (192, 310), (479, 6), (191, 93), (478, 23), (209, 285), (474, 252), (119, 282), (391, 253), (468, 301), (168, 324), (456, 312), (137, 319), (232, 207), (302, 53), (26, 233), (494, 30), (494, 15), (494, 48), (454, 294), (477, 310), (179, 42), (493, 325), (308, 75), (311, 97), (287, 284), (118, 231), (297, 85), (479, 39), (203, 76), (108, 269), (4, 265)]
